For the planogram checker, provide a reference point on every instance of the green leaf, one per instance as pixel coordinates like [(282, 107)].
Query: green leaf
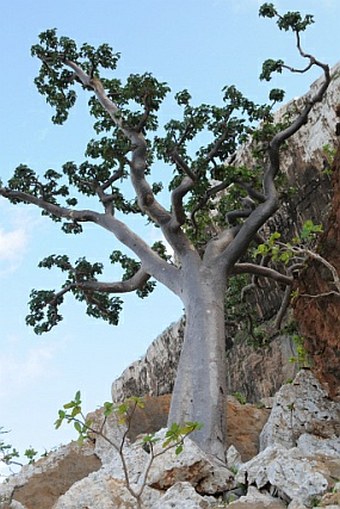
[(76, 411), (108, 408), (58, 423), (78, 427), (179, 449), (71, 404)]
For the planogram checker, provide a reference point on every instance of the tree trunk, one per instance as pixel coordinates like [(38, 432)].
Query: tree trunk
[(200, 388)]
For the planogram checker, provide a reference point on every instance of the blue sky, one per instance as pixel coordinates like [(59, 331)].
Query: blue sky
[(201, 45)]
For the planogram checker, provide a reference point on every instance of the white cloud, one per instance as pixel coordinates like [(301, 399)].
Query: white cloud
[(18, 372), (12, 244), (16, 226)]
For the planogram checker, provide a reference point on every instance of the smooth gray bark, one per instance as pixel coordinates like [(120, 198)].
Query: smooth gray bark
[(200, 388)]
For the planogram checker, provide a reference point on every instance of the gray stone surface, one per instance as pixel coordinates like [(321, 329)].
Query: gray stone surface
[(299, 408), (154, 374), (182, 496), (310, 445), (42, 482), (233, 457), (193, 465), (102, 491), (256, 500), (287, 470)]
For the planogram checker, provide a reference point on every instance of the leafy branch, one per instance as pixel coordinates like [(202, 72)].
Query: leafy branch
[(295, 254), (72, 413)]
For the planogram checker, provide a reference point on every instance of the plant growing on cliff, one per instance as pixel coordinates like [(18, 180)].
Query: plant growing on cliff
[(294, 255), (208, 248), (124, 412)]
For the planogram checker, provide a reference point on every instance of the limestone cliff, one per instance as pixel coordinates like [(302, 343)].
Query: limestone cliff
[(319, 317), (306, 164)]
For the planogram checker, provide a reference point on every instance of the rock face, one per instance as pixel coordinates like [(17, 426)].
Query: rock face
[(154, 373), (300, 409), (319, 318), (286, 470), (300, 443), (268, 365), (257, 500)]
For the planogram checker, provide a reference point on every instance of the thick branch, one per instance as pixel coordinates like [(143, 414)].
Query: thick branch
[(214, 151), (178, 212), (145, 195), (260, 270), (136, 282), (108, 199), (152, 264), (282, 136), (211, 192), (218, 244), (283, 308)]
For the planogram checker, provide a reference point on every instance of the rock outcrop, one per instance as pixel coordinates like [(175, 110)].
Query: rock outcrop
[(154, 374), (300, 456), (39, 486), (300, 409)]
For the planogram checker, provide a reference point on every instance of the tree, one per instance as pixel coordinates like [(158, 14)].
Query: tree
[(210, 238)]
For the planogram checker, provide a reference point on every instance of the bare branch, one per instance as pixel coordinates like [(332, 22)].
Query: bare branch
[(282, 136), (253, 193), (143, 120), (214, 150), (114, 177), (283, 308), (264, 210), (146, 198), (138, 164), (108, 199), (319, 295), (252, 268), (297, 250), (249, 206), (153, 264)]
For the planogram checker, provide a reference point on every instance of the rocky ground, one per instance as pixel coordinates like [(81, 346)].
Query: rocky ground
[(284, 457)]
